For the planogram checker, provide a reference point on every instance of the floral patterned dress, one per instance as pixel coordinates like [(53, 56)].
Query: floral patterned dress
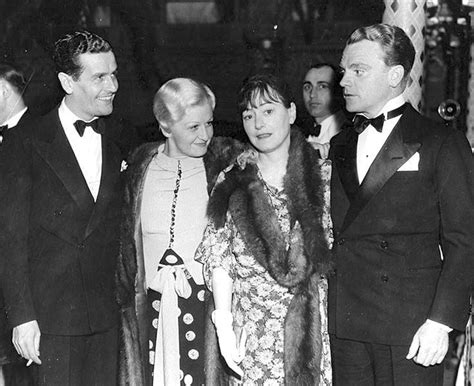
[(259, 304)]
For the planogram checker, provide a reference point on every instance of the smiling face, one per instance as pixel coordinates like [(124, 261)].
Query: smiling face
[(317, 92), (267, 125), (190, 136), (92, 93), (368, 82)]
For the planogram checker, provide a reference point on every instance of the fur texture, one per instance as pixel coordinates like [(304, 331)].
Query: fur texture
[(300, 268), (131, 294)]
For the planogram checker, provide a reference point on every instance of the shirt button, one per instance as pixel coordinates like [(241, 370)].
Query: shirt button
[(384, 244), (81, 246), (341, 241), (384, 278)]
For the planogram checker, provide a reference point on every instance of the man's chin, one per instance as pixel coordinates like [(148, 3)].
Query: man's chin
[(105, 112)]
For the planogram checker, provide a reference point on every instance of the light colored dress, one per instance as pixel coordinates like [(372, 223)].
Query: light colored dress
[(259, 303), (176, 308)]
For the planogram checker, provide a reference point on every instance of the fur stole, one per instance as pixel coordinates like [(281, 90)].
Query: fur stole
[(131, 294), (300, 266), (242, 193)]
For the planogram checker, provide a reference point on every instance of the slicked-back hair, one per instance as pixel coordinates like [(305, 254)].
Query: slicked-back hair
[(264, 88), (68, 48), (13, 75), (175, 96), (395, 43)]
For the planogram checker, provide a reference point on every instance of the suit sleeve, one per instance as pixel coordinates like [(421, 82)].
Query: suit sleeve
[(455, 185), (16, 178)]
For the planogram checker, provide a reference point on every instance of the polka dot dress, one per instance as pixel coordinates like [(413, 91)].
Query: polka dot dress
[(191, 331)]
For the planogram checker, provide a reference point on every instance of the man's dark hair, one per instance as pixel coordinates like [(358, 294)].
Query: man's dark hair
[(395, 43), (13, 75), (68, 48), (266, 87)]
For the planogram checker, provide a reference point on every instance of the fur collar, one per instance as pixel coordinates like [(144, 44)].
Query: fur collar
[(242, 194)]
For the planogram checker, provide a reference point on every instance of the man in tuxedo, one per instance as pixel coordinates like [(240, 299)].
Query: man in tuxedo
[(402, 205), (60, 213), (322, 98), (13, 112)]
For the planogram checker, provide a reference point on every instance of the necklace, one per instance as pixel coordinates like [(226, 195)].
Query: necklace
[(170, 256)]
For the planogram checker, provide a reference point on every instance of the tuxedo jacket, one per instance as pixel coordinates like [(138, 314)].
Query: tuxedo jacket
[(7, 351), (59, 246), (390, 231)]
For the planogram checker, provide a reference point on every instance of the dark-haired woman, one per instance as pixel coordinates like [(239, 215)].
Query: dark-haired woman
[(265, 249)]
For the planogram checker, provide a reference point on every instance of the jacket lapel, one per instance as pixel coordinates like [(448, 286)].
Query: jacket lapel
[(344, 149), (111, 159), (53, 146), (399, 147)]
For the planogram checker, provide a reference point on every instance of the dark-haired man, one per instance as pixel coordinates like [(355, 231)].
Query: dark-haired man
[(401, 192), (60, 210), (322, 98)]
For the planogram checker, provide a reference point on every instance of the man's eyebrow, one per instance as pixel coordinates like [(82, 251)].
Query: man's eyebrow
[(359, 64), (307, 82)]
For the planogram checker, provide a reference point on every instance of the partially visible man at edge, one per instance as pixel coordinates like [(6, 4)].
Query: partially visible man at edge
[(13, 112), (60, 212)]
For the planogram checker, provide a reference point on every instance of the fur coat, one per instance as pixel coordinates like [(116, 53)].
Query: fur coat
[(131, 291), (299, 268)]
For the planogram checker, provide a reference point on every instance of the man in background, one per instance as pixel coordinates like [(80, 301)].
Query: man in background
[(322, 98)]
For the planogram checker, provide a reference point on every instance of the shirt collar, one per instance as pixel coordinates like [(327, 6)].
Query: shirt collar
[(392, 104), (66, 116), (13, 121), (331, 118)]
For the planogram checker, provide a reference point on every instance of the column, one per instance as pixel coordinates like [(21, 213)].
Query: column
[(410, 16)]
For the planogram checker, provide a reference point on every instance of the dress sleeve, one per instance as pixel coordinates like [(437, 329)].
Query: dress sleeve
[(216, 251)]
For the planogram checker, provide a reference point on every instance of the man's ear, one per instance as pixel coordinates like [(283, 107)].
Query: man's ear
[(66, 82), (292, 112), (395, 75), (5, 88)]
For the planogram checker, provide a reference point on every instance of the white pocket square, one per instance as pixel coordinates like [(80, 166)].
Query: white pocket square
[(411, 165)]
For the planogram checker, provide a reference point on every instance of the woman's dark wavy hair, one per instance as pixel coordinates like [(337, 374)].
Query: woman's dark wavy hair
[(13, 75), (68, 48), (395, 43), (264, 87)]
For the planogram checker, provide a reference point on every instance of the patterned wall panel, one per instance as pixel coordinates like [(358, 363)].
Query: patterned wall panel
[(410, 16)]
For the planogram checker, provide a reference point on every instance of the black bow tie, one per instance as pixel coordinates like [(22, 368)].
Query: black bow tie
[(96, 125), (360, 122), (315, 129), (3, 129)]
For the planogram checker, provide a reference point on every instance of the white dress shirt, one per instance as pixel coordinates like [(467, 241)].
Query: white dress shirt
[(87, 149), (13, 121), (371, 141), (330, 126)]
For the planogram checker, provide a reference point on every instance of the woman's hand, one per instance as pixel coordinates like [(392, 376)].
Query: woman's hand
[(230, 351)]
